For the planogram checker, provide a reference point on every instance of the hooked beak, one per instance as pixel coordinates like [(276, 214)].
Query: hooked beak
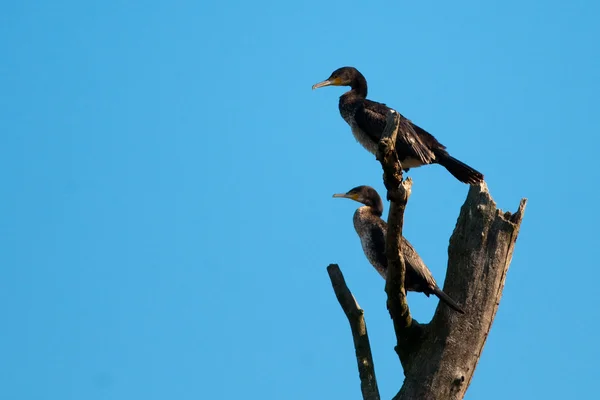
[(346, 196), (328, 82)]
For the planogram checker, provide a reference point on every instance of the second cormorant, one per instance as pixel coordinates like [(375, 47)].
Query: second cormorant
[(372, 231), (415, 146)]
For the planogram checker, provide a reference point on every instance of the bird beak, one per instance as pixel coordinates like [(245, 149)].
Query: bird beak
[(328, 82), (346, 196)]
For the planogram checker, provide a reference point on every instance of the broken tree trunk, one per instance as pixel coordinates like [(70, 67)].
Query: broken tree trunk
[(479, 255)]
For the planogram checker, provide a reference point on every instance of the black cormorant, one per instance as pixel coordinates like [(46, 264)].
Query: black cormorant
[(415, 146), (372, 231)]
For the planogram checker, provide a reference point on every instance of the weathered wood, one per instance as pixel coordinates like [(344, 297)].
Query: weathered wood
[(480, 252), (408, 331), (358, 326)]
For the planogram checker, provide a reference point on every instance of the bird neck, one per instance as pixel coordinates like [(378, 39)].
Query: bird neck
[(376, 210), (358, 86)]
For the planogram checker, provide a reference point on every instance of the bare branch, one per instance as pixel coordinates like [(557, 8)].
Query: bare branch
[(362, 347), (386, 153), (398, 193)]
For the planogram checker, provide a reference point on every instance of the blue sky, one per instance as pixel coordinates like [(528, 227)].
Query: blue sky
[(167, 176)]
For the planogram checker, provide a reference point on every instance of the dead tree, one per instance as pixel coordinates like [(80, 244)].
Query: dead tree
[(439, 357)]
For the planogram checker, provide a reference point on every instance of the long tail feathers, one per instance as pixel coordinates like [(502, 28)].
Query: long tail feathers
[(459, 169), (446, 299)]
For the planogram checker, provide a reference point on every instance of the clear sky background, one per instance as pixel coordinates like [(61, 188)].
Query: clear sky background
[(167, 172)]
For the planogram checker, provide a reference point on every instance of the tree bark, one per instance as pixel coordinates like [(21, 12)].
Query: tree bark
[(408, 331), (439, 358), (479, 255)]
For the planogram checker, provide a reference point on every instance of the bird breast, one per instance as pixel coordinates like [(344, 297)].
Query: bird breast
[(362, 138), (363, 224), (347, 111)]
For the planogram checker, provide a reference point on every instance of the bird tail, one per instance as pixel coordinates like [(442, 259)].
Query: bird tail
[(446, 299), (459, 169)]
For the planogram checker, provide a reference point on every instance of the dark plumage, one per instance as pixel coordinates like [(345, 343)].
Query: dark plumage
[(415, 146), (372, 231)]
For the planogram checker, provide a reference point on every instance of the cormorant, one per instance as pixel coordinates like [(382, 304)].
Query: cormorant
[(372, 231), (415, 146)]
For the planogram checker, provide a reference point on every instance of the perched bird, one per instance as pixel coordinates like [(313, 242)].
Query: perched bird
[(415, 146), (372, 231)]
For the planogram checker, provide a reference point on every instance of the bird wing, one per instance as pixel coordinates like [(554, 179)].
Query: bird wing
[(417, 276), (378, 232), (427, 138), (371, 118), (415, 263)]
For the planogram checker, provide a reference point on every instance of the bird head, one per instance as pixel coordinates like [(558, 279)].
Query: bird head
[(344, 76), (365, 195)]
